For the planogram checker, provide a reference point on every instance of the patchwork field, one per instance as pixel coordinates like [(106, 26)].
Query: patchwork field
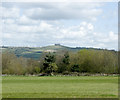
[(60, 87)]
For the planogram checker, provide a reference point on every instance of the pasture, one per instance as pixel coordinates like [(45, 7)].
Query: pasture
[(60, 87)]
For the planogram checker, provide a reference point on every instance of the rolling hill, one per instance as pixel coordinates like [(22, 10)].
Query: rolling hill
[(35, 52)]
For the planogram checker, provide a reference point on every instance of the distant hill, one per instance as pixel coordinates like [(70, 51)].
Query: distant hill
[(35, 52)]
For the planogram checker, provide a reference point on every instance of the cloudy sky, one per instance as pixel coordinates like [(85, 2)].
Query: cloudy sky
[(71, 24)]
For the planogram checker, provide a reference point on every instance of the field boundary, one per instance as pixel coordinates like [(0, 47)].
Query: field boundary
[(60, 98)]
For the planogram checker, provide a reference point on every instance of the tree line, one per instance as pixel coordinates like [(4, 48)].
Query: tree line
[(63, 62)]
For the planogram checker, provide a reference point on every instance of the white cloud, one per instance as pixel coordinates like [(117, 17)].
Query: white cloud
[(44, 23), (9, 21), (62, 13), (83, 34), (53, 11), (90, 27), (10, 13), (113, 36), (23, 20)]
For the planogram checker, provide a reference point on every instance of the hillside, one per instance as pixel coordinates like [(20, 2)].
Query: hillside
[(35, 52)]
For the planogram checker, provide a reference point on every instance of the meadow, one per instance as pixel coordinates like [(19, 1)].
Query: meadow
[(60, 87)]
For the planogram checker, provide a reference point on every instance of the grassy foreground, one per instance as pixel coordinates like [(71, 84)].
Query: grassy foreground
[(60, 87)]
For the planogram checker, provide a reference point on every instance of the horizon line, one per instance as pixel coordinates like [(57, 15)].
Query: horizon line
[(57, 44)]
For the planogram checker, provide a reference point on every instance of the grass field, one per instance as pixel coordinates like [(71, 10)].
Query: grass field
[(60, 87)]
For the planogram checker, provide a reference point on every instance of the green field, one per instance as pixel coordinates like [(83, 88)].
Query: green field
[(60, 87)]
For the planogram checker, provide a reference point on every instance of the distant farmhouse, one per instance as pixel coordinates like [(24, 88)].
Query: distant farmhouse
[(57, 44)]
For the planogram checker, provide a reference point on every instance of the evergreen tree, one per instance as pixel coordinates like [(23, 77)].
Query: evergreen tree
[(49, 65)]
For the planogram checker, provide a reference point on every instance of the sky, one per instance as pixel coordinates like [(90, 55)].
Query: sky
[(91, 24)]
